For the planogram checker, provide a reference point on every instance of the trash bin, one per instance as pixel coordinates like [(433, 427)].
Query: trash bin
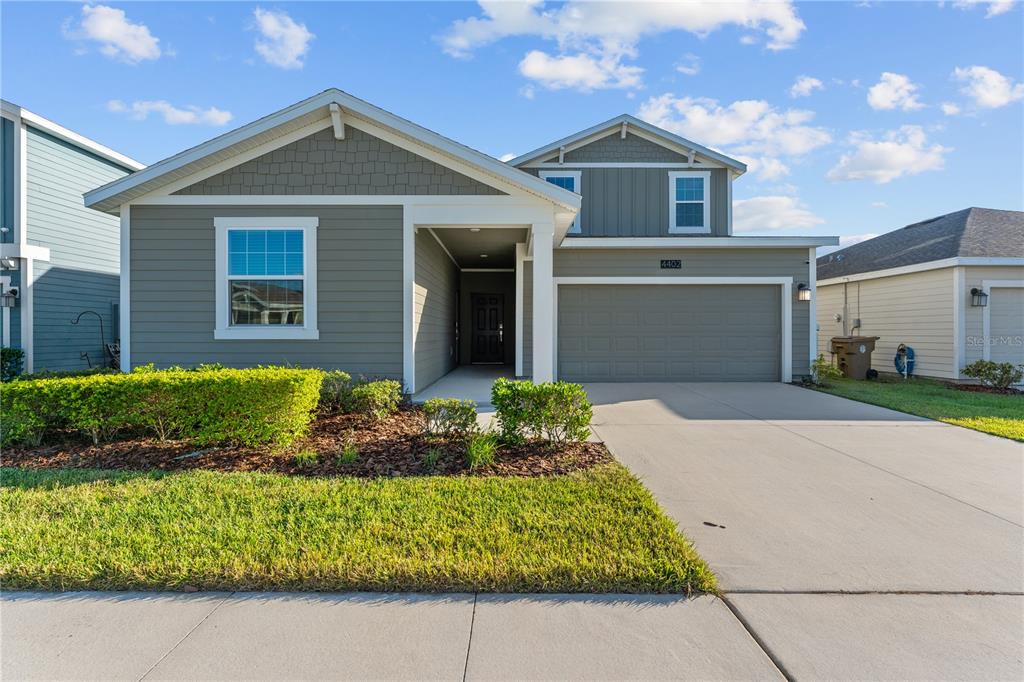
[(853, 354)]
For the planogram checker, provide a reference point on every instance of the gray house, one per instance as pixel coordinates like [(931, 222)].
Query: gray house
[(60, 258), (336, 234)]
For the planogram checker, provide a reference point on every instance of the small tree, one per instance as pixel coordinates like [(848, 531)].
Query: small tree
[(824, 372)]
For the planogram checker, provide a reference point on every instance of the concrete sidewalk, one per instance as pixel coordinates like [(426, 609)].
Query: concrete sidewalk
[(154, 636)]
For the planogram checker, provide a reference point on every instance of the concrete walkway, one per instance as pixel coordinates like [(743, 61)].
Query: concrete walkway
[(853, 541)]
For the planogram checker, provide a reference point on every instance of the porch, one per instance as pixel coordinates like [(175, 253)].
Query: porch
[(467, 382)]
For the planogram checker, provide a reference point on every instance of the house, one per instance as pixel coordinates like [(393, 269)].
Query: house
[(335, 234), (950, 287), (60, 258)]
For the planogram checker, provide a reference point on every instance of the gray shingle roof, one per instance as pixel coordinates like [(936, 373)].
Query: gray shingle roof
[(970, 233)]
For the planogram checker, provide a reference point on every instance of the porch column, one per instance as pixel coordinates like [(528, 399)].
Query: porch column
[(543, 303)]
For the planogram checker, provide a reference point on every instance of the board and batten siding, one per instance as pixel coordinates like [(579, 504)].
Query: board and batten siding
[(974, 337), (359, 290), (781, 262), (915, 309), (434, 311), (83, 270)]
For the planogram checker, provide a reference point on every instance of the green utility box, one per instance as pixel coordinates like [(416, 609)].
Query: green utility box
[(853, 354)]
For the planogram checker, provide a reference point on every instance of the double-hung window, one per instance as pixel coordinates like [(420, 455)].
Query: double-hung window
[(571, 181), (689, 208), (266, 278)]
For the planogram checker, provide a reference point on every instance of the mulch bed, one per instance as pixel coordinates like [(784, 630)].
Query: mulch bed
[(978, 388), (391, 447)]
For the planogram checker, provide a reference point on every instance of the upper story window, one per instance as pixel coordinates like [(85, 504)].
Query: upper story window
[(571, 181), (689, 205), (266, 278)]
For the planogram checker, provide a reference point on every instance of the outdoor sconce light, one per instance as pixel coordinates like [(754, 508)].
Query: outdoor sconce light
[(979, 299), (8, 297), (8, 263), (803, 292)]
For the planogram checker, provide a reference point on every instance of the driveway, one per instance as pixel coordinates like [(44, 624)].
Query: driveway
[(851, 540)]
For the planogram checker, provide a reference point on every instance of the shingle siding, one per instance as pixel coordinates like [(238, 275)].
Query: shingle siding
[(613, 149), (359, 164)]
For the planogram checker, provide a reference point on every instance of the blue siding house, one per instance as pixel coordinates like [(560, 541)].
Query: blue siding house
[(61, 258)]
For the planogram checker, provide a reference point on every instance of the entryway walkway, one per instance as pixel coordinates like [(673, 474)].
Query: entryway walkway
[(468, 382)]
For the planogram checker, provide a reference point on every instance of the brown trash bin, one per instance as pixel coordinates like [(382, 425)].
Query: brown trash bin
[(853, 354)]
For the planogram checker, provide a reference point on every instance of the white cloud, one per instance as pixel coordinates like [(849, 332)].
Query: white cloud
[(118, 37), (899, 152), (950, 109), (894, 91), (283, 42), (753, 129), (596, 37), (689, 65), (804, 86), (987, 87), (764, 167), (772, 214), (507, 157), (995, 7), (140, 111)]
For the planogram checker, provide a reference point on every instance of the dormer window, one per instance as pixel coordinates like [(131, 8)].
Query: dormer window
[(689, 205), (569, 180)]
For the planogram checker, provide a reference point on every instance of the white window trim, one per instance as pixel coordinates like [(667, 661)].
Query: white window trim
[(706, 228), (308, 331), (577, 183)]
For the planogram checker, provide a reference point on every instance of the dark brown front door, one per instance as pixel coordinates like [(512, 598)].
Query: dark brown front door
[(488, 329)]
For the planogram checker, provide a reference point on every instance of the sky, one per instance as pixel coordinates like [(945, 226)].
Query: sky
[(854, 118)]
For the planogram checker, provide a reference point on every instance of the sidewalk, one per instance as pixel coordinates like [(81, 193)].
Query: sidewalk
[(154, 636)]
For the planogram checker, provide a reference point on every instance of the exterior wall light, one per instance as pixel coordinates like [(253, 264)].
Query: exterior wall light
[(803, 292), (8, 263), (979, 299), (8, 297)]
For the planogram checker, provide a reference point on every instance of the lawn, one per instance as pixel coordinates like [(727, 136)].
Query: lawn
[(997, 414), (596, 530)]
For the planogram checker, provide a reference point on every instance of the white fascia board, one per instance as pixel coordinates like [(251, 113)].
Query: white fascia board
[(14, 112), (107, 195), (696, 242), (923, 267), (26, 251)]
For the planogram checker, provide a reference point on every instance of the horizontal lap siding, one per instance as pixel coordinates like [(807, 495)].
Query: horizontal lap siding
[(915, 309), (437, 280), (973, 326), (359, 290)]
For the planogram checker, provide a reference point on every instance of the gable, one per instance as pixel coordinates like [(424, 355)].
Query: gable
[(613, 149), (320, 164)]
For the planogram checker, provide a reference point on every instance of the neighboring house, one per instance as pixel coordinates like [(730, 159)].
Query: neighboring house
[(60, 257), (914, 286), (335, 234)]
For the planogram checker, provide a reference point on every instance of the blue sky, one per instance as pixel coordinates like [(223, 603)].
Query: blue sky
[(855, 118)]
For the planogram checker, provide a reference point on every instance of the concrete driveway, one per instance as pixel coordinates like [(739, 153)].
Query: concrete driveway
[(851, 540)]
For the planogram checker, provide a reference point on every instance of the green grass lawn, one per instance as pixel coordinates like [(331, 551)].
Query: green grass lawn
[(596, 531), (1000, 415)]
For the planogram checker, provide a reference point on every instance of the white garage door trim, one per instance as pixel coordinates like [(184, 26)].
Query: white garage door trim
[(787, 304), (986, 315)]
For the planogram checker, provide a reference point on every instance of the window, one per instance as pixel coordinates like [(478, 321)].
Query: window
[(571, 181), (688, 202), (266, 278)]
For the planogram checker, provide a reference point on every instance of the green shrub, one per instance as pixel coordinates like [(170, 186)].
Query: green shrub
[(65, 373), (12, 362), (999, 375), (243, 406), (480, 449), (305, 459), (431, 458), (349, 454), (558, 412), (450, 417), (823, 372), (336, 392), (377, 399)]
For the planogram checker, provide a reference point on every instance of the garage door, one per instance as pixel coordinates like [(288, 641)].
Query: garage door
[(1006, 325), (668, 333)]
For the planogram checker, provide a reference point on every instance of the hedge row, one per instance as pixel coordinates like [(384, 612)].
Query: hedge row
[(240, 406)]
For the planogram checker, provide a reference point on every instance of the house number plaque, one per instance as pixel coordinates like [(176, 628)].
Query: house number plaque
[(671, 264)]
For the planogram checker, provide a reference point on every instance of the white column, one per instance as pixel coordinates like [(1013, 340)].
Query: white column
[(520, 265), (543, 303), (125, 306)]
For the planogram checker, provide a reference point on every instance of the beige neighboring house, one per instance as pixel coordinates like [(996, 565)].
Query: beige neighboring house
[(950, 287)]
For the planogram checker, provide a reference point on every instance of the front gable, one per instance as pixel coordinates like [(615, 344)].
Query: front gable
[(613, 148)]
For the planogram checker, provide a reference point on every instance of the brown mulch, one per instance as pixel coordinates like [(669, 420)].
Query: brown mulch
[(391, 447), (978, 388)]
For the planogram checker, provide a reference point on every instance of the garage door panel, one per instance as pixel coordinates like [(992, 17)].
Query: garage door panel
[(668, 333)]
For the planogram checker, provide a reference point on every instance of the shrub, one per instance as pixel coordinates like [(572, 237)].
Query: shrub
[(558, 412), (823, 372), (243, 406), (450, 417), (12, 361), (377, 399), (431, 458), (999, 375), (305, 459), (336, 392), (349, 454), (480, 449)]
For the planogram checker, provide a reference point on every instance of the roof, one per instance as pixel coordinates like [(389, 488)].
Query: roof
[(970, 233), (632, 121), (16, 112), (310, 111)]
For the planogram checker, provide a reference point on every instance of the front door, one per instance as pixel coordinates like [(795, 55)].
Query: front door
[(488, 329)]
